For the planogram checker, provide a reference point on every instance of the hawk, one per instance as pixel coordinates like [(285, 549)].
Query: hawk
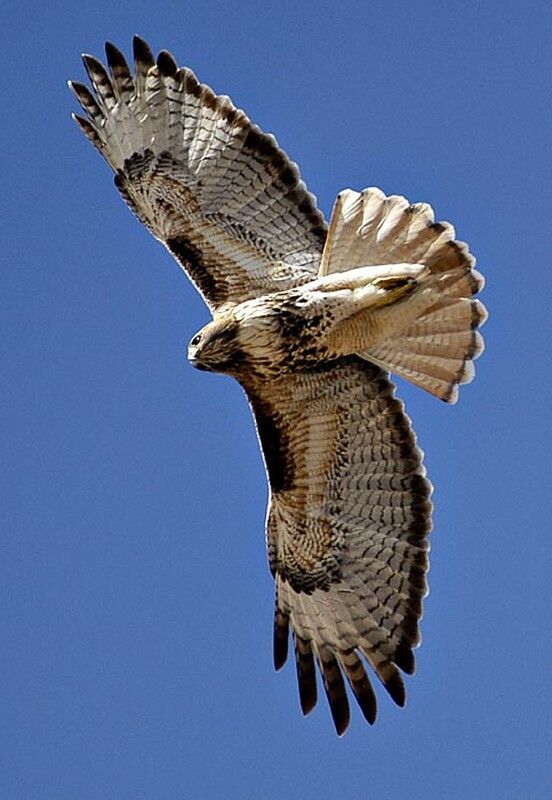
[(310, 320)]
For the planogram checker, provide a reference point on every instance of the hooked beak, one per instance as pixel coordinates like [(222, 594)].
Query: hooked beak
[(199, 364)]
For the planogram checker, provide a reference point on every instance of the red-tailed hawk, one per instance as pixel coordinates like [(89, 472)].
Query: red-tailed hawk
[(309, 320)]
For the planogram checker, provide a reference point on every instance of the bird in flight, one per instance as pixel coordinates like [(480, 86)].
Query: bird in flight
[(309, 319)]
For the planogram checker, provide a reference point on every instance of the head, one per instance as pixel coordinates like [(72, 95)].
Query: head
[(216, 347), (245, 341)]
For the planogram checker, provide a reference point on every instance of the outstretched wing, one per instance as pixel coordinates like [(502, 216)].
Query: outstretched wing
[(347, 529), (220, 194)]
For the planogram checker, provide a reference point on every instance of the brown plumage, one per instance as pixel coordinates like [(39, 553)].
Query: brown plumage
[(309, 321)]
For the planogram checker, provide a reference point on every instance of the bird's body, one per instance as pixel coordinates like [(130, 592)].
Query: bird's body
[(295, 330), (309, 320)]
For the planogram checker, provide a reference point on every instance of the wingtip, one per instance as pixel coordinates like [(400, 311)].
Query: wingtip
[(341, 719), (342, 730), (306, 675), (88, 58), (114, 56), (142, 51), (88, 129), (166, 64), (78, 89), (307, 705), (93, 66), (280, 637), (404, 658)]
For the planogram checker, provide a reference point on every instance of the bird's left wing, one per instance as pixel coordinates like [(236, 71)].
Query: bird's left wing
[(217, 191), (349, 517)]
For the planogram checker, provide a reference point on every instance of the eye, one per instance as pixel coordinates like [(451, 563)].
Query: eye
[(196, 339)]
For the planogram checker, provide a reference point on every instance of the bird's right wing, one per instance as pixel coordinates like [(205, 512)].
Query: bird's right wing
[(349, 518), (213, 188)]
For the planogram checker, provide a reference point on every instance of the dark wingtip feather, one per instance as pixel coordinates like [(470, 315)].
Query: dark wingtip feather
[(360, 684), (366, 700), (114, 56), (403, 657), (306, 675), (85, 97), (92, 65), (336, 694), (77, 87), (142, 52), (123, 81), (166, 64), (395, 686), (281, 637), (88, 129)]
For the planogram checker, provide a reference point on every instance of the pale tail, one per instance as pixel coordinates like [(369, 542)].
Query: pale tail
[(436, 351)]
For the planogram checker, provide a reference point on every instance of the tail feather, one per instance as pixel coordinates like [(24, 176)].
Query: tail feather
[(437, 351), (368, 228), (434, 341), (443, 345), (439, 377), (449, 316)]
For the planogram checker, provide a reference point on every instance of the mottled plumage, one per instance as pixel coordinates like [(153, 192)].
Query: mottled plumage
[(309, 320)]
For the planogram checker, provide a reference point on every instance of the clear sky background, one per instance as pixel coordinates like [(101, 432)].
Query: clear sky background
[(136, 604)]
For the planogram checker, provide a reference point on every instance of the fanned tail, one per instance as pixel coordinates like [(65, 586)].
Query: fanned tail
[(436, 350)]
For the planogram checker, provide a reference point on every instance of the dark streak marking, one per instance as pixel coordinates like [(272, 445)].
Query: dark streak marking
[(191, 258), (275, 444), (438, 227), (209, 99)]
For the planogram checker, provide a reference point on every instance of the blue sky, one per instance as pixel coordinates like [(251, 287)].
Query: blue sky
[(136, 602)]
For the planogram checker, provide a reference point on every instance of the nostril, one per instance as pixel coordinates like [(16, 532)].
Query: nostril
[(196, 340)]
